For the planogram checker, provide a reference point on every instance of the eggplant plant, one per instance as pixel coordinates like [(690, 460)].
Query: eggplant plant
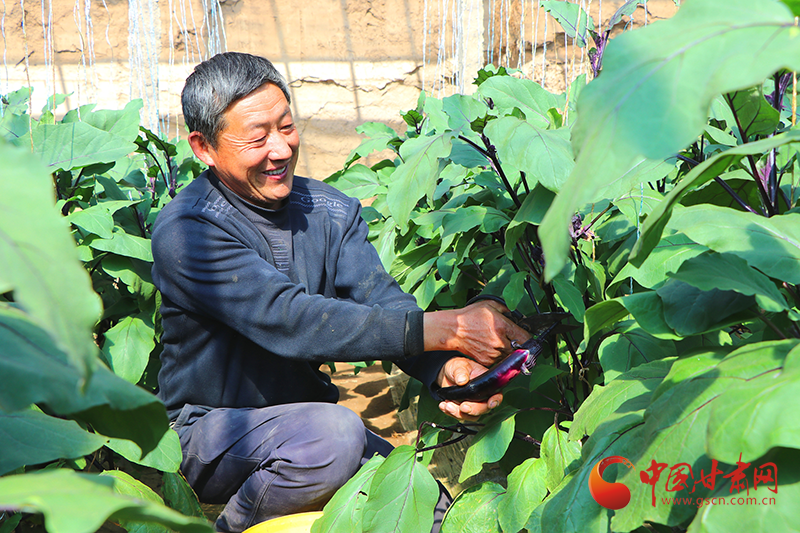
[(658, 206), (79, 322)]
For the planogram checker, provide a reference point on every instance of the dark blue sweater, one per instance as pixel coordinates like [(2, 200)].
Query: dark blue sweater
[(239, 332)]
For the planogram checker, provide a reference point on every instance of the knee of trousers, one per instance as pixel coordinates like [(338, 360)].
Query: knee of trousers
[(327, 452)]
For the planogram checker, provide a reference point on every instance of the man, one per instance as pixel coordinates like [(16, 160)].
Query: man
[(265, 276)]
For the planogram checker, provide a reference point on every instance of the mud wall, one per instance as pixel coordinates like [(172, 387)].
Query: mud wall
[(347, 61)]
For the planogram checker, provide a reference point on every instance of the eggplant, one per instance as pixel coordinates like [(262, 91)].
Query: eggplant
[(520, 361)]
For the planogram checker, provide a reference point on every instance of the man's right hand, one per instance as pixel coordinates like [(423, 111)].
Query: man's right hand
[(479, 331)]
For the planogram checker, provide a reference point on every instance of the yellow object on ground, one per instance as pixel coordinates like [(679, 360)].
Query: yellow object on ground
[(293, 523)]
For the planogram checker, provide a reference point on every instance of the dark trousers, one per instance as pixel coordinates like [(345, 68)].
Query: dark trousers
[(269, 462)]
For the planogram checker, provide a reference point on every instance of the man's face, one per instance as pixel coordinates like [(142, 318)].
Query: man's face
[(257, 148)]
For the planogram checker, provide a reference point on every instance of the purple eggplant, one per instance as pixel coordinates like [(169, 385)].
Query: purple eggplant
[(521, 361)]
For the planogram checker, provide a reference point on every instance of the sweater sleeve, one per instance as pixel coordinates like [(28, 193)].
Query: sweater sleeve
[(361, 277)]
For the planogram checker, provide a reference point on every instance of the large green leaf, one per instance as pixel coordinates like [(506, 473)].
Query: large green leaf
[(80, 503), (34, 370), (507, 93), (544, 155), (464, 219), (31, 437), (475, 510), (343, 513), (689, 310), (704, 172), (729, 272), (777, 512), (75, 145), (128, 345), (526, 490), (123, 123), (165, 457), (572, 18), (560, 455), (38, 259), (124, 244), (402, 495), (629, 348), (772, 245), (358, 181), (416, 176), (180, 496), (676, 422), (126, 485), (753, 416), (632, 390), (755, 115), (661, 80), (489, 446), (666, 257)]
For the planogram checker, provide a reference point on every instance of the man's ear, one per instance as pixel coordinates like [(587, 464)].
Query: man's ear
[(201, 148)]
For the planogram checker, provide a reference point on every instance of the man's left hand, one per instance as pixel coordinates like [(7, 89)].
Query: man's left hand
[(459, 371)]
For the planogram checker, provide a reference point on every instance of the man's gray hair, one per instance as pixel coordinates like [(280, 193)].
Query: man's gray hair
[(217, 83)]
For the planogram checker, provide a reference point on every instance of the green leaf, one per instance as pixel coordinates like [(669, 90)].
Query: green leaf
[(165, 457), (508, 93), (128, 345), (646, 307), (180, 496), (402, 495), (670, 73), (123, 123), (541, 374), (30, 437), (560, 455), (489, 446), (781, 514), (689, 310), (570, 297), (526, 490), (514, 291), (729, 272), (794, 5), (633, 390), (343, 513), (475, 510), (676, 424), (124, 244), (36, 371), (629, 348), (704, 172), (666, 257), (80, 503), (572, 18), (379, 135), (126, 485), (74, 145), (752, 416), (38, 259), (358, 181), (544, 155), (772, 245), (625, 9), (416, 176), (464, 219), (755, 114)]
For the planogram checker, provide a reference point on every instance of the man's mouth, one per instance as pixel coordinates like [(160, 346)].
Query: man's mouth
[(276, 172)]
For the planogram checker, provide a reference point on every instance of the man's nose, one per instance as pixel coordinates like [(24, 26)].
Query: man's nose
[(279, 147)]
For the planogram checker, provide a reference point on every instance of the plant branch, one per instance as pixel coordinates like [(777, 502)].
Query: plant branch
[(738, 199)]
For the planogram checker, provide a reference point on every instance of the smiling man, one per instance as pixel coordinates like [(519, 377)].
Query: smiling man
[(264, 277)]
